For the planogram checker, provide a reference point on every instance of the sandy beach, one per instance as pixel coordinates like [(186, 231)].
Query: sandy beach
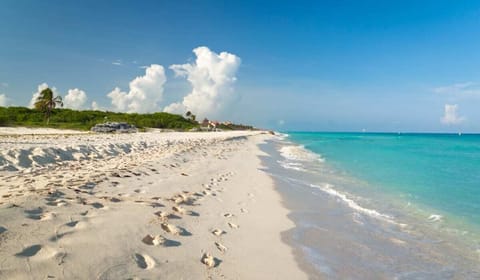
[(140, 206)]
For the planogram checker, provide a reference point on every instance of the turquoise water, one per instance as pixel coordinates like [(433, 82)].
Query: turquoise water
[(440, 172)]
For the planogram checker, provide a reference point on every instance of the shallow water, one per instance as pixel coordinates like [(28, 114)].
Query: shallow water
[(351, 226)]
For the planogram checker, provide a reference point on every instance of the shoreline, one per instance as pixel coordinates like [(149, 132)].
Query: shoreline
[(154, 211), (336, 238)]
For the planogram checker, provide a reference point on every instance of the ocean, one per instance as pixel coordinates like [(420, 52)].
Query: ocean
[(381, 205)]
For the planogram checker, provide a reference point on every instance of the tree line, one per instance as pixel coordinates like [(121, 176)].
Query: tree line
[(46, 112)]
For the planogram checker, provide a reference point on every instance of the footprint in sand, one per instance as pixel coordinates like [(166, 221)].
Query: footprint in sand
[(218, 232), (29, 251), (165, 215), (190, 201), (175, 230), (179, 210), (157, 240), (88, 186), (39, 214), (220, 247), (208, 260), (58, 203), (232, 225), (144, 261), (243, 210), (193, 213), (228, 215), (155, 204), (34, 214), (47, 216), (114, 199), (97, 205), (59, 236), (177, 199), (170, 229), (71, 224), (153, 240)]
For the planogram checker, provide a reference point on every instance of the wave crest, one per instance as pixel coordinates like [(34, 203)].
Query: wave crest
[(299, 153), (327, 188)]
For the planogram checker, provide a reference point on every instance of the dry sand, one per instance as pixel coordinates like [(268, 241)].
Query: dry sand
[(145, 205)]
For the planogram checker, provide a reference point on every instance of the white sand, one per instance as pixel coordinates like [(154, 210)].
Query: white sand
[(37, 131), (140, 205)]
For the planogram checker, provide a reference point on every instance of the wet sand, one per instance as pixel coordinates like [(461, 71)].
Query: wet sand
[(334, 240)]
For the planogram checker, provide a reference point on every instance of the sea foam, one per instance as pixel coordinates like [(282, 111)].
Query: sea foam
[(299, 153), (291, 165), (435, 218), (327, 188)]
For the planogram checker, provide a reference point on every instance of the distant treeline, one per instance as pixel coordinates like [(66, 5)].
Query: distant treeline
[(84, 120), (233, 126)]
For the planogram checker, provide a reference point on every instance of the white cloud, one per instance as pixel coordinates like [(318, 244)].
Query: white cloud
[(39, 89), (145, 93), (95, 106), (3, 100), (212, 77), (463, 89), (75, 99), (117, 62), (451, 116)]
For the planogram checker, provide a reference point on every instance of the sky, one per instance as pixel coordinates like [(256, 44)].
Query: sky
[(401, 66)]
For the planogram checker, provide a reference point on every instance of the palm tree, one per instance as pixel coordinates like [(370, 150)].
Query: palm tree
[(46, 102), (190, 116)]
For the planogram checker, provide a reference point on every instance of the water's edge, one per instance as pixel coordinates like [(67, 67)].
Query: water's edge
[(331, 240), (287, 194)]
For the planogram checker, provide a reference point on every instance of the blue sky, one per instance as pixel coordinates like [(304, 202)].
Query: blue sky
[(302, 65)]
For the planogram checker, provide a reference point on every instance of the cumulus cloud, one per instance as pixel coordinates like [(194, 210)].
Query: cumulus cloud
[(212, 77), (95, 106), (75, 99), (451, 115), (145, 92), (3, 100), (37, 94)]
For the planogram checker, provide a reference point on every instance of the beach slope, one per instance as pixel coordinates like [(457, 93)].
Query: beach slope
[(145, 205)]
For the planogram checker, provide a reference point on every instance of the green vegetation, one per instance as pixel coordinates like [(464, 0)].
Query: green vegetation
[(84, 120), (46, 102), (190, 116), (233, 126)]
